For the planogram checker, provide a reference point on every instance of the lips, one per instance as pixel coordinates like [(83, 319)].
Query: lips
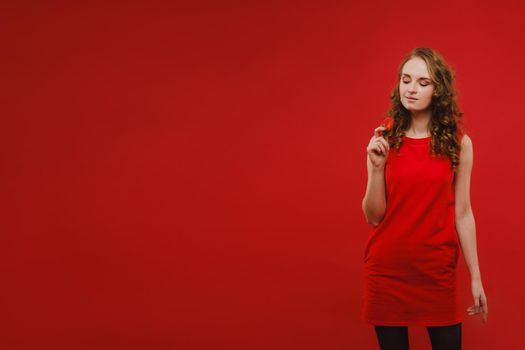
[(412, 99)]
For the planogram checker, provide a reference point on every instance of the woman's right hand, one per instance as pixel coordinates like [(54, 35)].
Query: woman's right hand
[(378, 149)]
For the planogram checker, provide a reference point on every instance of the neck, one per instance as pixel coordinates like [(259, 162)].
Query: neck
[(420, 123)]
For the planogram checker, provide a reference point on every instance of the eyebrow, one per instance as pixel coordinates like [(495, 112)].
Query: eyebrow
[(419, 78)]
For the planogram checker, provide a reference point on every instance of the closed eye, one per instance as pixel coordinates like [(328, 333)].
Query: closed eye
[(406, 82)]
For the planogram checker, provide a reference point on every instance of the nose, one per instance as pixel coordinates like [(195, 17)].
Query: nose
[(412, 87)]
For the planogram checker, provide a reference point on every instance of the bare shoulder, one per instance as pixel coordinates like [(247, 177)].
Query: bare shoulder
[(466, 154), (466, 141), (466, 146)]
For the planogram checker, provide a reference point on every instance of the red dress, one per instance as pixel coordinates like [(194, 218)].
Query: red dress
[(411, 256)]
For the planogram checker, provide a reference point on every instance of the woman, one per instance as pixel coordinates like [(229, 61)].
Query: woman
[(418, 200)]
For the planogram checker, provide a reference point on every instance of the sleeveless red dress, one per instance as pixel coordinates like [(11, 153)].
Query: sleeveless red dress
[(411, 257)]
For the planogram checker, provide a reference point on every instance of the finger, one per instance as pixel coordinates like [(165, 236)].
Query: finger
[(384, 142), (376, 130), (375, 148), (473, 310), (381, 147), (385, 149), (479, 309)]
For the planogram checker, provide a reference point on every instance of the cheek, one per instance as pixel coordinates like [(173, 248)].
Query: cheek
[(428, 94)]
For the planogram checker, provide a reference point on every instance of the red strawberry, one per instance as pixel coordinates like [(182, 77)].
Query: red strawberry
[(388, 123)]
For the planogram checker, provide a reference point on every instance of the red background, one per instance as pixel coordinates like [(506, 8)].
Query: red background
[(190, 176)]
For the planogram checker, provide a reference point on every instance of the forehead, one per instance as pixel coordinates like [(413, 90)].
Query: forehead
[(416, 67)]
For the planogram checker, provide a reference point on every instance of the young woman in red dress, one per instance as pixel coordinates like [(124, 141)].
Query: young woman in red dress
[(418, 202)]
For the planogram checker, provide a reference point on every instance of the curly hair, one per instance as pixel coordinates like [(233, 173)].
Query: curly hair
[(445, 124)]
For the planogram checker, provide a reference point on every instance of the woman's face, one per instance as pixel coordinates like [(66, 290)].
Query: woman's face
[(415, 83)]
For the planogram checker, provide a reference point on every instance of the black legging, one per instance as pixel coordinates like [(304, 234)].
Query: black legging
[(441, 337)]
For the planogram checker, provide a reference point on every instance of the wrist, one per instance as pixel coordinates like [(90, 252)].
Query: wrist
[(475, 278), (378, 168)]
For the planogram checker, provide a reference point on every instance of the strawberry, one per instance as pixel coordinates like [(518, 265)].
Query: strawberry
[(388, 123)]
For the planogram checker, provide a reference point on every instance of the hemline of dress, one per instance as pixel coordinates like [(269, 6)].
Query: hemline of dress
[(414, 323)]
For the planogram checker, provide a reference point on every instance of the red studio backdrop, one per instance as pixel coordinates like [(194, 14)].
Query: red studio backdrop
[(190, 175)]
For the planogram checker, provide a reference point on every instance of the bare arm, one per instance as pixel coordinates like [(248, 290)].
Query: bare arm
[(464, 218), (374, 201), (466, 228)]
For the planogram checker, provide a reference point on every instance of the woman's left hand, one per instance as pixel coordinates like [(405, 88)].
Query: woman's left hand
[(480, 300)]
